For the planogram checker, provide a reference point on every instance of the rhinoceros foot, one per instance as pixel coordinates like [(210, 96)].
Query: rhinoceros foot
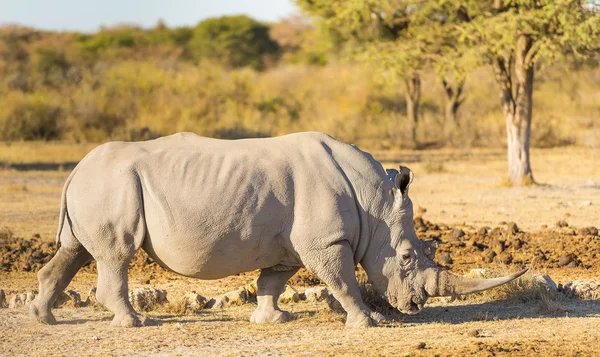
[(130, 320), (270, 317), (44, 317), (364, 319)]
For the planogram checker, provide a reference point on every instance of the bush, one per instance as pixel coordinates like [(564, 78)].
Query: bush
[(235, 41), (33, 119)]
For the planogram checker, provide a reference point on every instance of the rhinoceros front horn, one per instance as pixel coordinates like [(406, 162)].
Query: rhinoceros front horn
[(442, 283)]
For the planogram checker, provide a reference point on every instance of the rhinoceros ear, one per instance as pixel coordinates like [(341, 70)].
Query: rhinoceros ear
[(403, 179)]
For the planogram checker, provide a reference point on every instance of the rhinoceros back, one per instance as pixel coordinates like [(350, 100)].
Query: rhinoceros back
[(213, 207)]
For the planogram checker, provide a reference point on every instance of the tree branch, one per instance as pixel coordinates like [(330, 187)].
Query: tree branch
[(535, 48)]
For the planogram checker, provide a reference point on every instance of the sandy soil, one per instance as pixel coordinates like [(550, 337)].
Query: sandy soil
[(463, 191)]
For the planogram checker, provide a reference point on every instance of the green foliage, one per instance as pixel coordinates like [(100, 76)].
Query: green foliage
[(234, 41)]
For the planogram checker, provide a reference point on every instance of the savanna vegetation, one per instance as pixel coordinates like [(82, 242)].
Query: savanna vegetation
[(381, 74)]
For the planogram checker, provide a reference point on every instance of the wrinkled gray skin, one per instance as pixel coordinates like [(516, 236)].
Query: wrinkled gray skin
[(208, 208)]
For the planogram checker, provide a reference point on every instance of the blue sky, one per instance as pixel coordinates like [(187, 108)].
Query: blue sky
[(89, 15)]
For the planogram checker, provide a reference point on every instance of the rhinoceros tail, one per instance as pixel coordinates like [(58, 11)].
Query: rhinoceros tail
[(63, 207)]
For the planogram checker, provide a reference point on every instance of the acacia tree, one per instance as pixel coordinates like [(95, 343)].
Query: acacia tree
[(514, 35), (377, 31)]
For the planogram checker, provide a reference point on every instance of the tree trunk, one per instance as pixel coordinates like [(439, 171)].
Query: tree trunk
[(517, 106), (413, 96), (453, 102)]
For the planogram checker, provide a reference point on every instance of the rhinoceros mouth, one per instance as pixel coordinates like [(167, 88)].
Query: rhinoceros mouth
[(414, 306)]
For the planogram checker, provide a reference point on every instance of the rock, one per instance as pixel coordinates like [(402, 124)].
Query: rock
[(512, 228), (516, 243), (498, 246), (489, 256), (315, 294), (21, 300), (419, 346), (289, 294), (562, 223), (544, 281), (474, 333), (505, 258), (194, 301), (68, 298), (586, 203), (2, 299), (457, 233), (446, 259), (479, 273), (482, 231), (232, 298), (587, 231), (147, 299), (566, 259), (572, 265), (583, 289)]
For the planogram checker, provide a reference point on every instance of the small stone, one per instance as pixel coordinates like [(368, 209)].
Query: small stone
[(562, 223), (419, 346), (95, 338), (566, 259), (146, 299), (69, 298), (489, 256), (458, 233), (572, 265), (586, 203), (474, 333), (289, 294), (2, 299), (482, 231), (544, 226), (232, 298), (505, 258), (315, 294), (446, 259), (194, 301), (498, 246), (544, 281), (512, 228)]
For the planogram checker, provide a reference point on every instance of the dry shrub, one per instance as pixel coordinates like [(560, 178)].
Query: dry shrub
[(177, 306), (434, 166)]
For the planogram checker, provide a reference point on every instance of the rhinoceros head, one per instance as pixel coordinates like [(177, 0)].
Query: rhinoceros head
[(406, 273)]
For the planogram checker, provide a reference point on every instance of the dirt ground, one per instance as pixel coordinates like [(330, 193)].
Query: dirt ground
[(452, 191)]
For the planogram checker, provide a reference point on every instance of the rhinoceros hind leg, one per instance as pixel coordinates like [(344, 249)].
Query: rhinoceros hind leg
[(335, 266), (54, 278), (112, 293), (270, 284)]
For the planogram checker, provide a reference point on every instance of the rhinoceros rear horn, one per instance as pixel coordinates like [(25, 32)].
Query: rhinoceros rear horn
[(441, 283)]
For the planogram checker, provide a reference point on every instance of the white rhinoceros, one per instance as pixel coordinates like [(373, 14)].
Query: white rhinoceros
[(209, 208)]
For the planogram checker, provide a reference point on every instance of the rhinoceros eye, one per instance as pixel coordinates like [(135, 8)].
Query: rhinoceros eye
[(405, 257)]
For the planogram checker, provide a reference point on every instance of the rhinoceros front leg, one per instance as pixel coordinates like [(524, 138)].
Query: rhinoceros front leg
[(335, 266), (270, 284)]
